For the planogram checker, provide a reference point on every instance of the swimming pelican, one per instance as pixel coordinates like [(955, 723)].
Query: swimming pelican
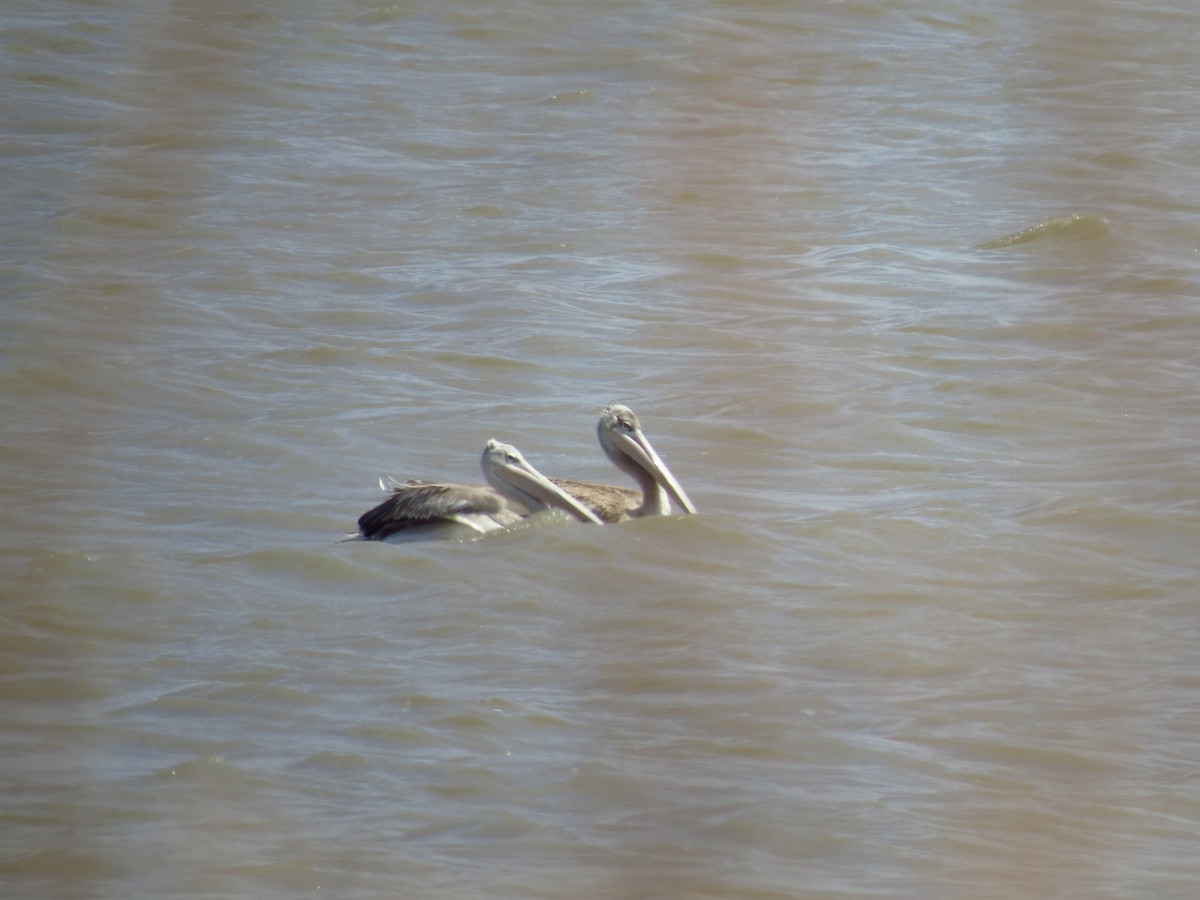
[(427, 510), (623, 442)]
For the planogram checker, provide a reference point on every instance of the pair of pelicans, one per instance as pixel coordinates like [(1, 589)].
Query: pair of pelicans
[(418, 510)]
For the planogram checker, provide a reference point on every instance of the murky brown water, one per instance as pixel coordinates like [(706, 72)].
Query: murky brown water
[(906, 295)]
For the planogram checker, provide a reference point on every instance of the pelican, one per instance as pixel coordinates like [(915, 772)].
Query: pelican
[(623, 442), (425, 510)]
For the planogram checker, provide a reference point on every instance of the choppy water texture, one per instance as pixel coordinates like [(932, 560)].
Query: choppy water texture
[(907, 295)]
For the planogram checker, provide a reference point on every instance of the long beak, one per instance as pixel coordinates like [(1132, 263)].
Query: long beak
[(637, 447), (529, 480)]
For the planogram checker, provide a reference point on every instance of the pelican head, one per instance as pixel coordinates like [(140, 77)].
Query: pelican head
[(629, 449), (512, 476)]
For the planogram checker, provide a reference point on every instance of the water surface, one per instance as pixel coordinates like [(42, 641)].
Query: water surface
[(905, 294)]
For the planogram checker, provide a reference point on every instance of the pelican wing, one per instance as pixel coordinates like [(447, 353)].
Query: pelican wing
[(609, 502), (418, 504)]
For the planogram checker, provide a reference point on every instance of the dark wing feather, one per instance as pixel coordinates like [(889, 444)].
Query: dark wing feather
[(419, 503)]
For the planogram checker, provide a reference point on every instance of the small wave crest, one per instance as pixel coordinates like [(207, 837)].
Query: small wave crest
[(1078, 225)]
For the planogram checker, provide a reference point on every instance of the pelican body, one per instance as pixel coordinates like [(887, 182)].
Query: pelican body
[(623, 442), (428, 510)]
